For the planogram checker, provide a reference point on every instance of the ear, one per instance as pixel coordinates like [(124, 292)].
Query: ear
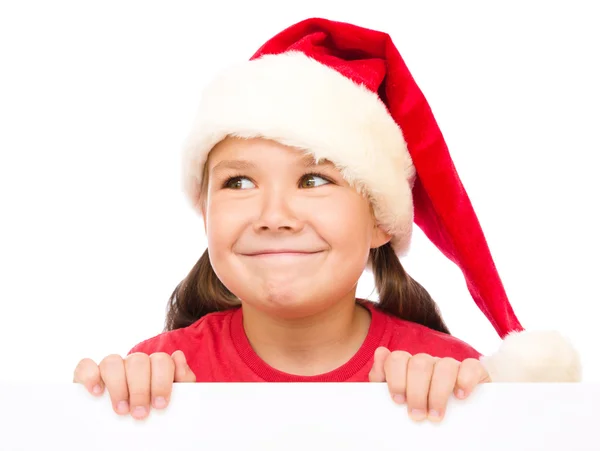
[(380, 237)]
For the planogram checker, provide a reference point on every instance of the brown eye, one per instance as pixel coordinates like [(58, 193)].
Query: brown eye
[(238, 183), (312, 181)]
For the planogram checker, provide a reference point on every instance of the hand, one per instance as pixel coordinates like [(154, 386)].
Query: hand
[(136, 381), (424, 382)]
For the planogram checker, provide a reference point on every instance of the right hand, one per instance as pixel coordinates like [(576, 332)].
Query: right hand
[(136, 382)]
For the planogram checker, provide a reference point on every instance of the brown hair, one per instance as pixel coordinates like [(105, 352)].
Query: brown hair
[(201, 293)]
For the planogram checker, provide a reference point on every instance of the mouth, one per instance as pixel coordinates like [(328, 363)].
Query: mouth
[(281, 253)]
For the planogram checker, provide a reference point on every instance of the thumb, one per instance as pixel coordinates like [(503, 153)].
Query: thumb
[(377, 373), (183, 373)]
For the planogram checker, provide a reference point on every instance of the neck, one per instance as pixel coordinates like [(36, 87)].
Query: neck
[(309, 345)]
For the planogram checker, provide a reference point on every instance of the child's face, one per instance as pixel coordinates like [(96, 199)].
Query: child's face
[(285, 235)]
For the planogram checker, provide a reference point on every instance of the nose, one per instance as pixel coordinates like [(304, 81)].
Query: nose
[(277, 212)]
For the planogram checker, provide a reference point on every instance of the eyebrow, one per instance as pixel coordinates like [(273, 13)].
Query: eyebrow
[(239, 165), (243, 165)]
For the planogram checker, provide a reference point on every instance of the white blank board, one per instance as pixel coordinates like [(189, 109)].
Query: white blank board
[(300, 416)]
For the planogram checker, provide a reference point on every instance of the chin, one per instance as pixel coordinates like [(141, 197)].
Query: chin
[(289, 293), (286, 301)]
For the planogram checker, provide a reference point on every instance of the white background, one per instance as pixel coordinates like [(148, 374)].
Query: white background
[(97, 97)]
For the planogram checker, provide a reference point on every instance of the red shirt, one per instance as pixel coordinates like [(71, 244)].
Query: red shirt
[(217, 349)]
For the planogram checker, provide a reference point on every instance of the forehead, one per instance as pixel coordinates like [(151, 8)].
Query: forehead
[(246, 152)]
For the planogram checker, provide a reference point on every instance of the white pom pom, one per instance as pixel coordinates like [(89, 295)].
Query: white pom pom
[(534, 356)]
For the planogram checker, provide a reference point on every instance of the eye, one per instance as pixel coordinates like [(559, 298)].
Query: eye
[(238, 183), (312, 181)]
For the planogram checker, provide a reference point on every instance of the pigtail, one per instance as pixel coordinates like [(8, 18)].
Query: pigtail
[(399, 294), (199, 294)]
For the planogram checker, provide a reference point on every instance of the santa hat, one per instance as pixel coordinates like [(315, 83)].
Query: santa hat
[(343, 93)]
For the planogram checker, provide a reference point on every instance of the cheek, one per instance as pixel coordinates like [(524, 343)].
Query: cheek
[(221, 226), (222, 230), (345, 222)]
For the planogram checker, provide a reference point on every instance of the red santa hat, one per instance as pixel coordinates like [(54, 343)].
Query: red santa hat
[(343, 93)]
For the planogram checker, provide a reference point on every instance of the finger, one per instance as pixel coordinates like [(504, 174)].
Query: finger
[(112, 372), (470, 374), (183, 373), (87, 374), (162, 375), (395, 375), (377, 373), (137, 368), (418, 380), (443, 382)]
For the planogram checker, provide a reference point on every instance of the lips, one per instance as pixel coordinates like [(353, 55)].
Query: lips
[(279, 252)]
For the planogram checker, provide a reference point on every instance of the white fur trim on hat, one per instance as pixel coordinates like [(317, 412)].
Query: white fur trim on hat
[(299, 102), (534, 356)]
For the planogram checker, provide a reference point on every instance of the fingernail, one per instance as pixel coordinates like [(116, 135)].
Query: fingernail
[(434, 415), (399, 399), (160, 402), (417, 414), (123, 407), (97, 389), (139, 412), (460, 394)]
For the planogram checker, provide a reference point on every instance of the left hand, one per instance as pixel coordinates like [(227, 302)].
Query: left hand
[(424, 382)]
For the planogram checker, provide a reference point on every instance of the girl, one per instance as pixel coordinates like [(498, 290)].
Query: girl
[(309, 164)]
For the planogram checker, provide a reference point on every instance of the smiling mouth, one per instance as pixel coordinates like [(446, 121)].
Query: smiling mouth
[(282, 253)]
